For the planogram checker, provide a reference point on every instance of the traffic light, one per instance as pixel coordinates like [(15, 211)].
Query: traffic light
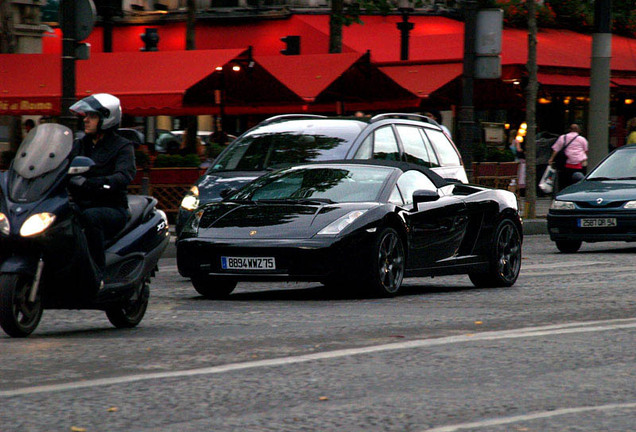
[(150, 39), (293, 45)]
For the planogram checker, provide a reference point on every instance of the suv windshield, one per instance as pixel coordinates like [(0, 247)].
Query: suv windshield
[(290, 142)]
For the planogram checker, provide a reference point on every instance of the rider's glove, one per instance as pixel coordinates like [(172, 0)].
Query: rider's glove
[(78, 182)]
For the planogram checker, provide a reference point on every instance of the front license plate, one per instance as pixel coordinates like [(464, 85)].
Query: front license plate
[(597, 222), (248, 263)]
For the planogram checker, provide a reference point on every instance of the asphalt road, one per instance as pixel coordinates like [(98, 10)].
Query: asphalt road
[(556, 352)]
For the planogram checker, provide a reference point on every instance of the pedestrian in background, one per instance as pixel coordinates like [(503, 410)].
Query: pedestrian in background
[(631, 131), (576, 148), (28, 125)]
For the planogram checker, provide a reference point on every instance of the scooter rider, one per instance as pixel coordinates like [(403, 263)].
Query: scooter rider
[(101, 195)]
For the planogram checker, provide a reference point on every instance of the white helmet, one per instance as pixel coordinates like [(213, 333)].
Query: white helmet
[(105, 105)]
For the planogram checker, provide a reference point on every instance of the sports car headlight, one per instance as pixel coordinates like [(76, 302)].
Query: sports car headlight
[(36, 224), (191, 200), (630, 205), (338, 225), (5, 228), (562, 205)]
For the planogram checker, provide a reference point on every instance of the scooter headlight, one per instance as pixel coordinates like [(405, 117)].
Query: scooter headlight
[(5, 228), (36, 224), (191, 200)]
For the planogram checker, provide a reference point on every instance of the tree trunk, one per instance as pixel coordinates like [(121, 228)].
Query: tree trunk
[(531, 114), (335, 27), (191, 122)]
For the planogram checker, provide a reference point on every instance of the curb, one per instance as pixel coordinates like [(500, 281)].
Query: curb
[(535, 226)]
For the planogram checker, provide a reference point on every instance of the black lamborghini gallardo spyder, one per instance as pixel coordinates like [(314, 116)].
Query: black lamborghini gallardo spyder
[(365, 224)]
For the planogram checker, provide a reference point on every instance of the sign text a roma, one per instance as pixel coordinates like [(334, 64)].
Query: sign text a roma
[(28, 107)]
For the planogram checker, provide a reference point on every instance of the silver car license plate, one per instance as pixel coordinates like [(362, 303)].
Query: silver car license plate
[(248, 263), (597, 222)]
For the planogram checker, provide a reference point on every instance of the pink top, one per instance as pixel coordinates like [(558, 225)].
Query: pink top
[(576, 151)]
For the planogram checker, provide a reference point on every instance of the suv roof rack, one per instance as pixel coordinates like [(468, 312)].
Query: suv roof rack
[(404, 116), (289, 117)]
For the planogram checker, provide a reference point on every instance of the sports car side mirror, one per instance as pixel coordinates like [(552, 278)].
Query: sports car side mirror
[(424, 195)]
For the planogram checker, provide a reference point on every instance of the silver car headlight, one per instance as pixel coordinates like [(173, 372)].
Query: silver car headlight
[(630, 205), (36, 224), (191, 200), (562, 205), (338, 225), (5, 227), (192, 225)]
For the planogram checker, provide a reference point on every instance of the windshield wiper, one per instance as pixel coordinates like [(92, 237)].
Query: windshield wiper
[(600, 178)]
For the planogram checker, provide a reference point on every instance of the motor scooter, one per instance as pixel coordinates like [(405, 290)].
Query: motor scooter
[(44, 258)]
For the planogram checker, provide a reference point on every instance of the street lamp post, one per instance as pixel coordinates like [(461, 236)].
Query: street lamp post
[(467, 111), (68, 25), (405, 28)]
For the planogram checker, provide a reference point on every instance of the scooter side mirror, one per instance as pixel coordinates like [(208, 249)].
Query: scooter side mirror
[(80, 165)]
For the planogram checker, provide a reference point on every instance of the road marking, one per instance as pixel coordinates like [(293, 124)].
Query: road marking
[(558, 329), (530, 417)]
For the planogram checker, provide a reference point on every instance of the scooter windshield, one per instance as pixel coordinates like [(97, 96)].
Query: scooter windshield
[(39, 161)]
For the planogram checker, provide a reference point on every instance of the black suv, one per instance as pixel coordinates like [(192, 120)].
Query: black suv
[(295, 139)]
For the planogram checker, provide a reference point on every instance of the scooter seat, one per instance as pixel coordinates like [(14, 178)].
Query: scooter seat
[(138, 207)]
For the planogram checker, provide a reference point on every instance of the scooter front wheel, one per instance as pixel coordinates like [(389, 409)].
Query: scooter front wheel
[(18, 316), (131, 313)]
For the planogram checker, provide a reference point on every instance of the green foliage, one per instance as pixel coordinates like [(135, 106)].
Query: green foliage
[(213, 150), (141, 159), (573, 14), (166, 160), (484, 153), (516, 14)]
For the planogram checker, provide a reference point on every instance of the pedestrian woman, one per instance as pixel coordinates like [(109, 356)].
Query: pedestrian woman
[(576, 148)]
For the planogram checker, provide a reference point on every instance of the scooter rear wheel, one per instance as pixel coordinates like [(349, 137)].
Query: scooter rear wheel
[(18, 316), (130, 314)]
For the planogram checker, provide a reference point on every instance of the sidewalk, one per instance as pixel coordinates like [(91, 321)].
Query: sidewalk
[(538, 225)]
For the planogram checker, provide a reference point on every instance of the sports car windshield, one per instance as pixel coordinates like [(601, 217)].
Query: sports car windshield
[(317, 185), (292, 142), (620, 165)]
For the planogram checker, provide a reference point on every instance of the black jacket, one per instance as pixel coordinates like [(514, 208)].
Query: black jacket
[(107, 182)]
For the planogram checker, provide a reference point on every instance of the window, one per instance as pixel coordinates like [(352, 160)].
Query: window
[(443, 147), (384, 145), (417, 148), (412, 181)]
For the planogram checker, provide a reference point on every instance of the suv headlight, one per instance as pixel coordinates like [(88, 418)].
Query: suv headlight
[(36, 224), (338, 225), (562, 205), (191, 200), (630, 205), (5, 228)]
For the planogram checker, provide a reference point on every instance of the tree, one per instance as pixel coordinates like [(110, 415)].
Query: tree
[(531, 113), (345, 15)]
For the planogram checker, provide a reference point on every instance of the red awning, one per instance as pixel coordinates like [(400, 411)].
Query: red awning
[(423, 79), (148, 83), (625, 82), (350, 78), (308, 75), (560, 80)]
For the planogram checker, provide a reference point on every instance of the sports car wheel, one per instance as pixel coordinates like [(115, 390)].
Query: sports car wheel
[(505, 258), (213, 288), (568, 246), (386, 266)]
